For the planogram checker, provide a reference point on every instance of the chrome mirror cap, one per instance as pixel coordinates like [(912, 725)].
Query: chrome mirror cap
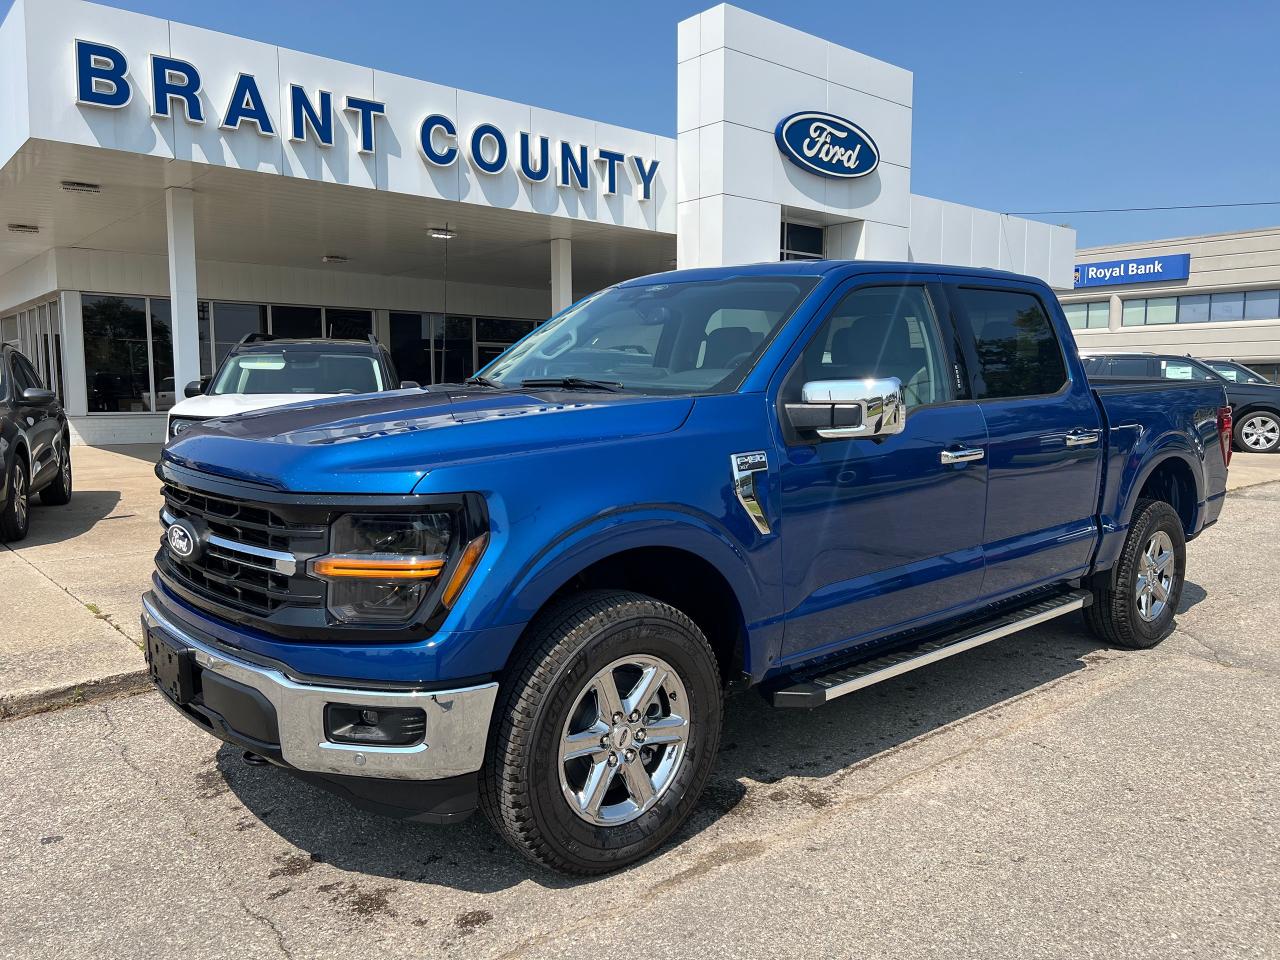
[(842, 409)]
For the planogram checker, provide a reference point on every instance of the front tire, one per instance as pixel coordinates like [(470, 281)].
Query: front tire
[(1136, 610), (15, 515), (605, 733), (1258, 432)]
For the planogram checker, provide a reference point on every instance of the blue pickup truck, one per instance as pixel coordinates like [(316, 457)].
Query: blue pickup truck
[(529, 593)]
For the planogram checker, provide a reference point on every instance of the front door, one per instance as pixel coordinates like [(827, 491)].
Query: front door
[(881, 534), (1044, 456)]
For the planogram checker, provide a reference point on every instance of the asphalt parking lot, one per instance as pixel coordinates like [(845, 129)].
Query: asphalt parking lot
[(1042, 796)]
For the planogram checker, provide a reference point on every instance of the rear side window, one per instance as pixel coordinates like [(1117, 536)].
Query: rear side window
[(1015, 349), (1182, 370), (1130, 367)]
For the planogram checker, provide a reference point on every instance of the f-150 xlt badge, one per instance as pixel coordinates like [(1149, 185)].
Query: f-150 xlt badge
[(745, 467)]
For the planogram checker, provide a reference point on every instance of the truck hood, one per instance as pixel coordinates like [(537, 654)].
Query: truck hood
[(227, 404), (384, 443)]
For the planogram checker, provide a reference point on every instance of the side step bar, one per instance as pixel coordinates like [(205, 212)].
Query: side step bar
[(817, 689)]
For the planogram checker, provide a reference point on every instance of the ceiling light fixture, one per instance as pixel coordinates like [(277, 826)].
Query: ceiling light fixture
[(79, 186), (23, 228), (442, 233), (334, 258)]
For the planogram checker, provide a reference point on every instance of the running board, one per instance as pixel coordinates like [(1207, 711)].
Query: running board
[(817, 689)]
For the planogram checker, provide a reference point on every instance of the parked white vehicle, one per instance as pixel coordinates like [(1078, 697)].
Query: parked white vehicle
[(262, 372)]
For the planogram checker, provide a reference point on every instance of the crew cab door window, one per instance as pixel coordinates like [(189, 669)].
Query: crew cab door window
[(879, 534), (1016, 351), (881, 332)]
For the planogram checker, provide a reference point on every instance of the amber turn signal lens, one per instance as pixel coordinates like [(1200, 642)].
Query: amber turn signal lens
[(467, 564), (410, 568)]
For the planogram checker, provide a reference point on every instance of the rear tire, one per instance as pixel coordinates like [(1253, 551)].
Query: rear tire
[(15, 517), (564, 779), (58, 492), (1258, 432), (1136, 610)]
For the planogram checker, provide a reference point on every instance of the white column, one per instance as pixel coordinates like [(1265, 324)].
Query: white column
[(75, 390), (867, 240), (180, 218), (1115, 312), (561, 274)]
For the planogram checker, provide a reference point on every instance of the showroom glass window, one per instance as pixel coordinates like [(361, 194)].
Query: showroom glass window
[(117, 360)]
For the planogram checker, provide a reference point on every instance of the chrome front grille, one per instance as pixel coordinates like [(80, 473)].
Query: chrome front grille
[(252, 560)]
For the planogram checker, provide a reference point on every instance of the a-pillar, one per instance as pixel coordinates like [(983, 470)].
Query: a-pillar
[(561, 274), (181, 222)]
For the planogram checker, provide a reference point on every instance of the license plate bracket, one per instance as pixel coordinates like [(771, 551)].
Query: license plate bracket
[(170, 667)]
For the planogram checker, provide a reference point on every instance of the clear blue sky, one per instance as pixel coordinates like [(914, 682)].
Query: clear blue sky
[(1019, 106)]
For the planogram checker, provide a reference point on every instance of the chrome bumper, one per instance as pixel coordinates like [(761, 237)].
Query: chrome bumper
[(457, 720)]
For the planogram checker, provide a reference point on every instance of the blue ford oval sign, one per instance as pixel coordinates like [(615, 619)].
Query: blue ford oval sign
[(827, 145)]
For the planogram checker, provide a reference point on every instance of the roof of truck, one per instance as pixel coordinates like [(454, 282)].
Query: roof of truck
[(821, 268)]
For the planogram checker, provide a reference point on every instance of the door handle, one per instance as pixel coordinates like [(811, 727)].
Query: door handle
[(963, 455), (1082, 438)]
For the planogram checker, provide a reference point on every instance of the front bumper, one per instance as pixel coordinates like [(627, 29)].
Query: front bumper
[(291, 714)]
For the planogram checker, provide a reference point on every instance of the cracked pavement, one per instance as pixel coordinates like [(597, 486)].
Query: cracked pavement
[(1039, 797)]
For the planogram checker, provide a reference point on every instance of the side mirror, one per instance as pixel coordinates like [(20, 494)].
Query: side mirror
[(37, 396), (842, 409), (194, 388), (410, 385)]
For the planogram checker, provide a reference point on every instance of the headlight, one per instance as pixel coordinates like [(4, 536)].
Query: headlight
[(179, 425), (380, 568)]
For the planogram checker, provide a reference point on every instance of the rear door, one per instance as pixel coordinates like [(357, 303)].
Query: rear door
[(1044, 452), (880, 534)]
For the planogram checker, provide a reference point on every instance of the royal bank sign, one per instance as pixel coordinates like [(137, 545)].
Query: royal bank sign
[(104, 81)]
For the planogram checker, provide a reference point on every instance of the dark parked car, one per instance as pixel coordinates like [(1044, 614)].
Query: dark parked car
[(35, 445), (1255, 403), (1236, 371)]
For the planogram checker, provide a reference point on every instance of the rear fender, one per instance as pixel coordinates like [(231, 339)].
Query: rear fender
[(1115, 525)]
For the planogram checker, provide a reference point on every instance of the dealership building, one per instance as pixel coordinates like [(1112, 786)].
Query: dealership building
[(168, 190), (1214, 297)]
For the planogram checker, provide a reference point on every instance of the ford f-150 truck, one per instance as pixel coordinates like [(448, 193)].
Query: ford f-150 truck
[(529, 593)]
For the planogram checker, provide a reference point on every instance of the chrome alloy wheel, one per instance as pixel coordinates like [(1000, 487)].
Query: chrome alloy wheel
[(1260, 432), (21, 499), (624, 741), (1156, 570)]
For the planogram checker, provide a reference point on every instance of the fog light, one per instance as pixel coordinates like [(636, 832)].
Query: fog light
[(384, 726)]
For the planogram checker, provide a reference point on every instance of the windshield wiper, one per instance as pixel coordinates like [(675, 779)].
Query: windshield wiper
[(573, 383), (479, 381)]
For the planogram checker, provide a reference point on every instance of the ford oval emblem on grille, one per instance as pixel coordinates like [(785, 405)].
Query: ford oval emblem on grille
[(827, 145), (183, 540)]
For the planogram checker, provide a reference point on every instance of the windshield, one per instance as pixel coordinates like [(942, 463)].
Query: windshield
[(1238, 373), (298, 372), (694, 337)]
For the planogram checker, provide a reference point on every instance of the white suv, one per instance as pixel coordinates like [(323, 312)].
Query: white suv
[(263, 372)]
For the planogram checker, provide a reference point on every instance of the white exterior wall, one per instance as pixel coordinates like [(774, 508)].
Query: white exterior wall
[(738, 74), (951, 233), (14, 111), (396, 165)]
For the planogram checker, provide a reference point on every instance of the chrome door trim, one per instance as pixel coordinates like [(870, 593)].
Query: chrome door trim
[(963, 455), (1082, 438)]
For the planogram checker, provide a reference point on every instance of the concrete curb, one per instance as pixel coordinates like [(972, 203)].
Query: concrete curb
[(13, 706)]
